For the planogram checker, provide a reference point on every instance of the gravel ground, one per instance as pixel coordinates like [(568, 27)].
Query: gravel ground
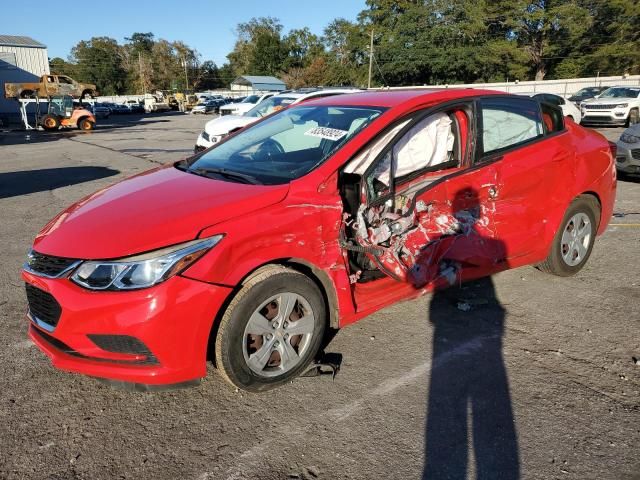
[(536, 381)]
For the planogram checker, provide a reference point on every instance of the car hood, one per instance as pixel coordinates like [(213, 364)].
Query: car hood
[(152, 210), (632, 130), (609, 101), (223, 125)]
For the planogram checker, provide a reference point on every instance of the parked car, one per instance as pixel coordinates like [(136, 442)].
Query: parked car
[(568, 108), (217, 129), (117, 108), (585, 94), (311, 219), (614, 106), (245, 105), (208, 106), (628, 151), (98, 110), (134, 106)]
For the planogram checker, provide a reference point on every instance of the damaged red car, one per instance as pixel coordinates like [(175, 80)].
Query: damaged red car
[(318, 215)]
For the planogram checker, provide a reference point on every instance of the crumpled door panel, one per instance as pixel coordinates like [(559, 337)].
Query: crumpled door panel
[(418, 242)]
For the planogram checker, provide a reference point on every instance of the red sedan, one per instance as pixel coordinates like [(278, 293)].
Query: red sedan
[(306, 221)]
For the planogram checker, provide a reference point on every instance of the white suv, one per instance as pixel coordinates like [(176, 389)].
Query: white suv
[(218, 128), (244, 106), (614, 106)]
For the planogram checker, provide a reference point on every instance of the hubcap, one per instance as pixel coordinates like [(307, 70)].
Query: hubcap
[(278, 334), (575, 239)]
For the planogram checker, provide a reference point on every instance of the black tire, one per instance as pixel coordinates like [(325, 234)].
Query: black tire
[(87, 94), (633, 118), (555, 262), (27, 94), (50, 122), (85, 124), (230, 339)]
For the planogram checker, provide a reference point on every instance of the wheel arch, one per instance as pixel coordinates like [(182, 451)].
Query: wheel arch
[(316, 274), (555, 219), (595, 197)]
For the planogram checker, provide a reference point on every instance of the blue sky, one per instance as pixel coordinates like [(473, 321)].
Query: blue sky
[(206, 25)]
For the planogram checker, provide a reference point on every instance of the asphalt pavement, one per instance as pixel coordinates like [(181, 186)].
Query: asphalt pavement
[(538, 379)]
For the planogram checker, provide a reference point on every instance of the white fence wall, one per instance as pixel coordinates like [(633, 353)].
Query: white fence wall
[(565, 87)]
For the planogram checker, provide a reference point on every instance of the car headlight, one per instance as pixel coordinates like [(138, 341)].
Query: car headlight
[(142, 271), (622, 105), (628, 138)]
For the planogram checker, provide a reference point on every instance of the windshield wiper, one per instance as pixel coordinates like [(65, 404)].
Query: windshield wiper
[(182, 165), (206, 171)]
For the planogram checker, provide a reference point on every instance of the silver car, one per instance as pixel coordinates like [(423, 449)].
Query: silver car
[(628, 156)]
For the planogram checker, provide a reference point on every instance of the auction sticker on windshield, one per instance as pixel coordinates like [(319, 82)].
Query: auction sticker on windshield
[(326, 133)]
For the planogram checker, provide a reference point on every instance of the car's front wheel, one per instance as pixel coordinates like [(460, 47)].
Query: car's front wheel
[(573, 242), (271, 330)]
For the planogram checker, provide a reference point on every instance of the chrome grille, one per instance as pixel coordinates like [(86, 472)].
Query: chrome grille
[(48, 265), (599, 107)]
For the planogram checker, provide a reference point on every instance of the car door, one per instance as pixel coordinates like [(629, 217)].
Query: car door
[(535, 166), (65, 85), (431, 224)]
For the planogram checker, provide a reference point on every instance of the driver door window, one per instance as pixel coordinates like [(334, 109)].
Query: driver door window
[(433, 143)]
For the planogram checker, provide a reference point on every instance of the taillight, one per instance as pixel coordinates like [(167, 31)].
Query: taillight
[(614, 149)]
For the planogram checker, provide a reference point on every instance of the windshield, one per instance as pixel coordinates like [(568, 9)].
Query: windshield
[(285, 146), (587, 91), (269, 105), (620, 92), (251, 99)]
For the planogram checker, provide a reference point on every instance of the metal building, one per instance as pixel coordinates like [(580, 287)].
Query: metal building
[(248, 84), (22, 59)]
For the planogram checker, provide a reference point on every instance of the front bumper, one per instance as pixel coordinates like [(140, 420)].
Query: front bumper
[(604, 117), (628, 157), (172, 321), (203, 143)]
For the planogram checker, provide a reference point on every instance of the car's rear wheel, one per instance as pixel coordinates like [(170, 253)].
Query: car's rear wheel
[(271, 330), (573, 242)]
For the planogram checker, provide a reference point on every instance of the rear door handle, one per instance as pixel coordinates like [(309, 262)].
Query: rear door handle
[(493, 192)]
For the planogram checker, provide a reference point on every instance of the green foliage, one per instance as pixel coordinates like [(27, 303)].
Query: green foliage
[(415, 42), (98, 61)]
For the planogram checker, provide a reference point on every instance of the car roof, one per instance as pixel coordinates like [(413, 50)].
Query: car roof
[(393, 98)]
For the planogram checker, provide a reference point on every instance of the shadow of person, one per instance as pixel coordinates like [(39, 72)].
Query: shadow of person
[(469, 404)]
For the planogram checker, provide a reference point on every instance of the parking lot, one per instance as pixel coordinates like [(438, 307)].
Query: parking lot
[(555, 360)]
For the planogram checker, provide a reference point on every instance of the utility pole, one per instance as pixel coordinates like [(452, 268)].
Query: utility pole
[(370, 59), (142, 83), (186, 77)]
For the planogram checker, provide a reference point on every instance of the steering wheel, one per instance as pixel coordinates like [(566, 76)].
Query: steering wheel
[(269, 149)]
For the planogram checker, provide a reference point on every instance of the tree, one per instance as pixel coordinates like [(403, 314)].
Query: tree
[(99, 61), (259, 49), (302, 47), (208, 77), (60, 66)]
